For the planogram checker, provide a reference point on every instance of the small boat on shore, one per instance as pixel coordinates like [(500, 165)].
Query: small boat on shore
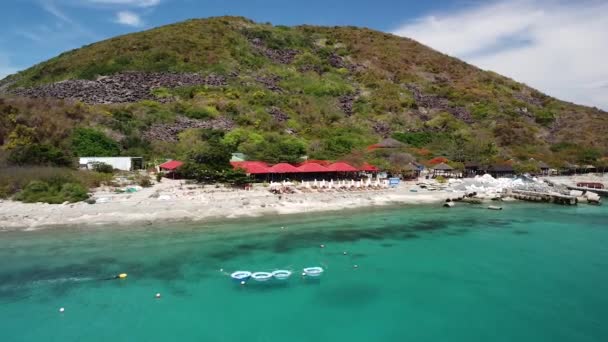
[(313, 271), (261, 276), (281, 274), (241, 275)]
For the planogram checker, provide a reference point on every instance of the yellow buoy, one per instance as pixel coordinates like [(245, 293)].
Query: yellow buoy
[(122, 276)]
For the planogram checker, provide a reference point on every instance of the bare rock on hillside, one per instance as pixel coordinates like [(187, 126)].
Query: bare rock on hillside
[(270, 82), (346, 102), (169, 132), (119, 88), (277, 114), (282, 56), (436, 102)]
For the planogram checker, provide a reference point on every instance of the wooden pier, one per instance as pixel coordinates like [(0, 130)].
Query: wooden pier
[(601, 192), (533, 196)]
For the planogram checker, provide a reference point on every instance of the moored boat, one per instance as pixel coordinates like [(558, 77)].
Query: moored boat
[(261, 276), (313, 271), (281, 274)]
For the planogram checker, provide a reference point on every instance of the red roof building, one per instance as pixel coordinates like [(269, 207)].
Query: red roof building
[(284, 168), (252, 167), (171, 165), (341, 167), (312, 167), (368, 168)]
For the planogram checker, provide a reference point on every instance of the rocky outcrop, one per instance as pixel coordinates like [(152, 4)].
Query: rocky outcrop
[(169, 132), (435, 102), (119, 88), (281, 56), (346, 102), (270, 82), (277, 114)]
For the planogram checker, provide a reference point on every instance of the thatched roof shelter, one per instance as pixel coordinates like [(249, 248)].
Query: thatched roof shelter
[(443, 167), (501, 168)]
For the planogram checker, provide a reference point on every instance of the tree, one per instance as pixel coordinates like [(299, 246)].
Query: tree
[(90, 142), (39, 154)]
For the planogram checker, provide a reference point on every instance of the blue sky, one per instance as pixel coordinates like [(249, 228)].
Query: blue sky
[(554, 45)]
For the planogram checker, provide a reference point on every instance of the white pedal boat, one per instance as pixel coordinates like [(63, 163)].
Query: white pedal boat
[(313, 271), (241, 275), (261, 276), (281, 274)]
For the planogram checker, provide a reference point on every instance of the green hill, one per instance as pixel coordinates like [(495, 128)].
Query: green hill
[(277, 91)]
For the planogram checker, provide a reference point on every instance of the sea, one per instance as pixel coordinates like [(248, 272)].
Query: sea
[(530, 272)]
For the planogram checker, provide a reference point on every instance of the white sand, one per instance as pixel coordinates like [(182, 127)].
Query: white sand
[(173, 200)]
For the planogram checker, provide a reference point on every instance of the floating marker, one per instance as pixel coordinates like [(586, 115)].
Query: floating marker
[(345, 253), (122, 276), (322, 246), (243, 282), (157, 295), (356, 266), (61, 309), (303, 274)]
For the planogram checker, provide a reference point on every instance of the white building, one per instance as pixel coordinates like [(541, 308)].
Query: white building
[(118, 163)]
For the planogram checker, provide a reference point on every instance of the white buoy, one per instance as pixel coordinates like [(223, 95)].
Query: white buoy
[(282, 227), (345, 253), (303, 274), (157, 295), (61, 309), (322, 246), (221, 270), (243, 282), (356, 266)]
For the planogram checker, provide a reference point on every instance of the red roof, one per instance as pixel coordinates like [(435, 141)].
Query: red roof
[(312, 167), (316, 161), (284, 168), (341, 167), (251, 167), (171, 165), (368, 167)]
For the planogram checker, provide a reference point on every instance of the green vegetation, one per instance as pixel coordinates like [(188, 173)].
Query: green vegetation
[(330, 93), (15, 181), (88, 142)]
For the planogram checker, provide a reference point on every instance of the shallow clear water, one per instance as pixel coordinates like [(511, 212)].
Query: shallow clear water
[(527, 273)]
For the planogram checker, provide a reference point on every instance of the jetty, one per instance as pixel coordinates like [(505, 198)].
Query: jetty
[(601, 192), (536, 196)]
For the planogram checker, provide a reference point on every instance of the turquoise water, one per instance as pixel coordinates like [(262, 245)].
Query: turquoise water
[(527, 273)]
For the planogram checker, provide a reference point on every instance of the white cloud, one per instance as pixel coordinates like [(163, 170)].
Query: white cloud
[(128, 18), (556, 47), (50, 7), (134, 3)]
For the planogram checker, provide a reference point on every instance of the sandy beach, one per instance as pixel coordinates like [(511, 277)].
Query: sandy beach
[(174, 200)]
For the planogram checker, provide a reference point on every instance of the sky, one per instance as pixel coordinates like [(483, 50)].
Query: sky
[(556, 46)]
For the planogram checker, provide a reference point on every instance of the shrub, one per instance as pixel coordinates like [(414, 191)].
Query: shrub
[(144, 181), (90, 142), (39, 154), (102, 167), (440, 179), (40, 191)]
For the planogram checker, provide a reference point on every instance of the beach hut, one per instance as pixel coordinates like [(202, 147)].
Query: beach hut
[(443, 169), (254, 169), (170, 166), (341, 167), (366, 167), (472, 169), (544, 168), (283, 171), (410, 171), (309, 171), (501, 170)]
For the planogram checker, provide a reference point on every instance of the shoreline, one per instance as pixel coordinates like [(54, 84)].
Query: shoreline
[(174, 201)]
